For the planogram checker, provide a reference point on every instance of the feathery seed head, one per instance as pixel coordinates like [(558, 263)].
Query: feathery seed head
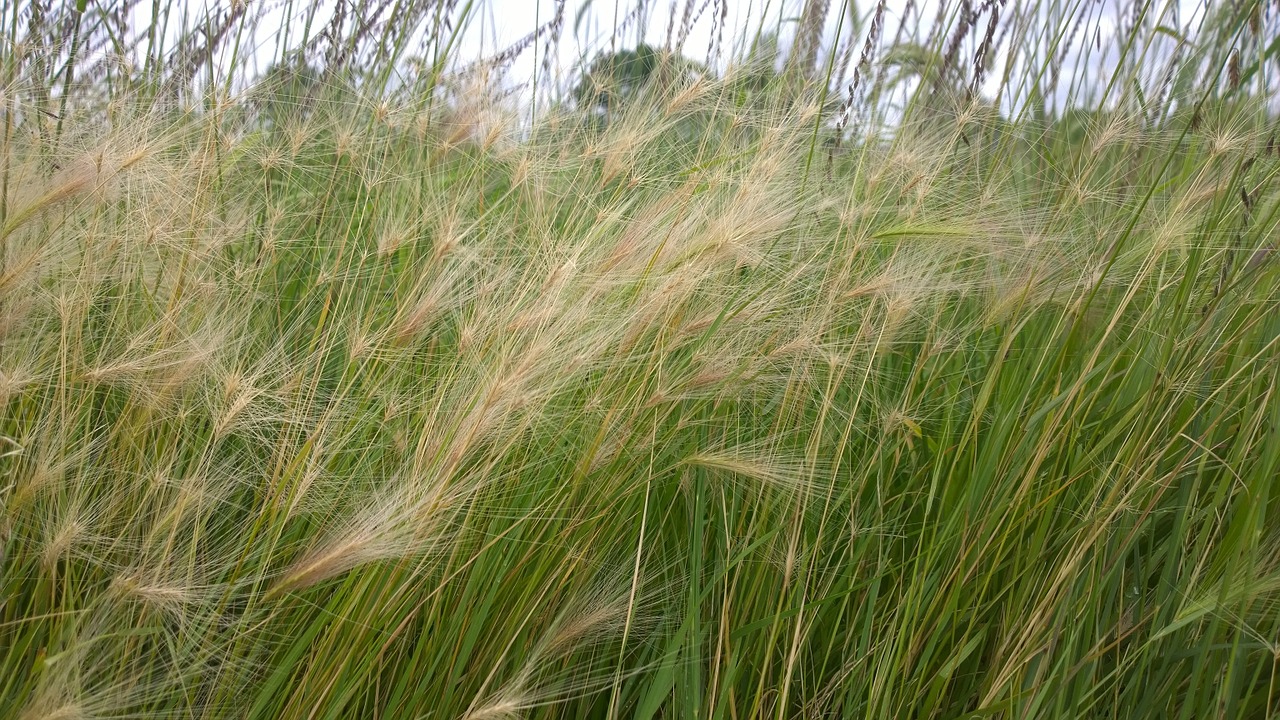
[(69, 529)]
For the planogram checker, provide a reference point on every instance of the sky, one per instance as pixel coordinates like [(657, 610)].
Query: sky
[(588, 28), (588, 25)]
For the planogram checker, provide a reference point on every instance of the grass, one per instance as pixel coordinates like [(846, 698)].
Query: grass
[(751, 395)]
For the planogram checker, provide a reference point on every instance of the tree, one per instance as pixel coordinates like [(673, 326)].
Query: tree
[(286, 92), (614, 79)]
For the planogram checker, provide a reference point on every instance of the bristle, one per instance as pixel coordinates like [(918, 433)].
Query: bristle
[(387, 359)]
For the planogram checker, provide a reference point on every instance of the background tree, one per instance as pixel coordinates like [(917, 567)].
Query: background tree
[(616, 78)]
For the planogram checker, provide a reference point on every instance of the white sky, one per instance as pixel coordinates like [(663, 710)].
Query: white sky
[(507, 20), (588, 27), (503, 22)]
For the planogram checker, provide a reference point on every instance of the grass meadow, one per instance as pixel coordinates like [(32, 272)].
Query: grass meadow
[(905, 363)]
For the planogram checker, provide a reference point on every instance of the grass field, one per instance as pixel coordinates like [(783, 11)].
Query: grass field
[(920, 371)]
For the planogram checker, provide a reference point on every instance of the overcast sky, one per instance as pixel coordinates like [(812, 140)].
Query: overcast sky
[(589, 27)]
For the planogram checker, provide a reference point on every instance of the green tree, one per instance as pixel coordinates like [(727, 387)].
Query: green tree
[(615, 79), (286, 91)]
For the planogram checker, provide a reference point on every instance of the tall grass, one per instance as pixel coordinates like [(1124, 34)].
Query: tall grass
[(886, 379)]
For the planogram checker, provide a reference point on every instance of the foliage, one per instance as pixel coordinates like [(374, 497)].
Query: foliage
[(345, 397)]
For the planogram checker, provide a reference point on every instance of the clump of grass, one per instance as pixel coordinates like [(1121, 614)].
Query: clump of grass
[(337, 395)]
